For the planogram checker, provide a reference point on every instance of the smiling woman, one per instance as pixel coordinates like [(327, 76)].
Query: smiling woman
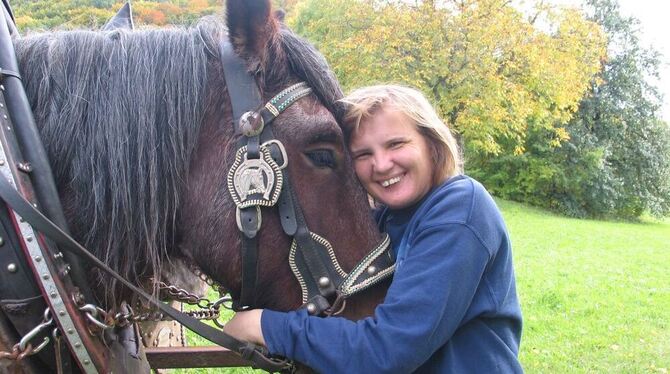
[(392, 160), (452, 305)]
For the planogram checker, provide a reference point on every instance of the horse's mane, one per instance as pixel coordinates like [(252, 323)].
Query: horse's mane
[(119, 113), (310, 65)]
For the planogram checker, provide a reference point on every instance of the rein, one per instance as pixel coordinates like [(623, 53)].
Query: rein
[(256, 354)]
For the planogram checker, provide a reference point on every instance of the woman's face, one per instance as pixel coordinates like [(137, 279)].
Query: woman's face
[(392, 159)]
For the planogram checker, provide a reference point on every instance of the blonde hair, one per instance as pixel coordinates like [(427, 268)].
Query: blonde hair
[(363, 103)]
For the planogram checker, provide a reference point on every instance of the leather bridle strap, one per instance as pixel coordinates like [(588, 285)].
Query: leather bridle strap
[(257, 180), (236, 76), (256, 354)]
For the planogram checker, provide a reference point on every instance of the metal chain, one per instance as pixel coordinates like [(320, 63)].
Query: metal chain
[(209, 310), (17, 354), (179, 294), (24, 347)]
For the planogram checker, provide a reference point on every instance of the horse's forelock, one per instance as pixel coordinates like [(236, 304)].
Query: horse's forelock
[(289, 55), (310, 65)]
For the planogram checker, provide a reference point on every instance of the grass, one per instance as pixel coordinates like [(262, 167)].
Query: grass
[(595, 294)]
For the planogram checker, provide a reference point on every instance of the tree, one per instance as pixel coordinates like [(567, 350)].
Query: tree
[(616, 162), (93, 14), (620, 120), (491, 73)]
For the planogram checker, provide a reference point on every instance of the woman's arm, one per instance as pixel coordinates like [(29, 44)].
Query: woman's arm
[(427, 301), (246, 326)]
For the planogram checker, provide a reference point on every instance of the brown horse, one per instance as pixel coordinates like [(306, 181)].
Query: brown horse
[(138, 128)]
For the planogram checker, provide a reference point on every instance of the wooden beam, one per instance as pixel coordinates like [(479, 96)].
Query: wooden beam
[(193, 357)]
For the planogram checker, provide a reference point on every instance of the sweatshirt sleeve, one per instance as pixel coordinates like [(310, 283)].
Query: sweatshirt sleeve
[(426, 302)]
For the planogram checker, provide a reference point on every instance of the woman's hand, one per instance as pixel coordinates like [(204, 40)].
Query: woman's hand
[(246, 326)]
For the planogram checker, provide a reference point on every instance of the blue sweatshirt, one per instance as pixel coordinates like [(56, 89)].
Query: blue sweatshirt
[(451, 308)]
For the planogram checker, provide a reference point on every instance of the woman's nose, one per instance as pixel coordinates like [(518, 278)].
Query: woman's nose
[(382, 163)]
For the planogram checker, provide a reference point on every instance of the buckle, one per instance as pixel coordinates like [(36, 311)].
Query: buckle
[(249, 225)]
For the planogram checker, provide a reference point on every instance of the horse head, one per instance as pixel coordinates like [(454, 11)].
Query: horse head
[(138, 127), (319, 168)]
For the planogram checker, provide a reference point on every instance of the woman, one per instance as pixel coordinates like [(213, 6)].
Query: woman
[(452, 305)]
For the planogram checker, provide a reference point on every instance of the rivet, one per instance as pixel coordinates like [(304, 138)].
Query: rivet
[(2, 162), (45, 276), (4, 116), (58, 255), (61, 313), (25, 167), (21, 219), (29, 238), (2, 105), (2, 241), (2, 87), (77, 345), (53, 295), (372, 270), (70, 331), (324, 281), (38, 258), (86, 362), (12, 268), (311, 308), (78, 298)]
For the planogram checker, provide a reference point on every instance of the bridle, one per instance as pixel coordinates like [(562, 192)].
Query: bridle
[(258, 178)]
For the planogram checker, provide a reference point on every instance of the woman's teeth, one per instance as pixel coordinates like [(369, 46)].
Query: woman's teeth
[(391, 181)]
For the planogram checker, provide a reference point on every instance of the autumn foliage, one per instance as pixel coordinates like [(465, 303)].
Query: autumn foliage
[(73, 14), (491, 72), (518, 87)]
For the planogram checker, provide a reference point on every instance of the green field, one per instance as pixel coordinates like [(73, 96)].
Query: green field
[(595, 295)]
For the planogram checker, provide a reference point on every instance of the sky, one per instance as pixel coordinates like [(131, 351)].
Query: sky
[(654, 31)]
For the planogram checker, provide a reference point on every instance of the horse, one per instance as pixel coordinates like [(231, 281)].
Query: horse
[(137, 125)]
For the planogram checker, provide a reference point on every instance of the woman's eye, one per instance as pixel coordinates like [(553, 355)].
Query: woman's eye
[(322, 158), (361, 156)]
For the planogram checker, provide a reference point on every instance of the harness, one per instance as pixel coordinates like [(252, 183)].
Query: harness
[(257, 179)]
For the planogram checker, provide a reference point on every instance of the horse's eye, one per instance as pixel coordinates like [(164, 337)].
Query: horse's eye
[(322, 158)]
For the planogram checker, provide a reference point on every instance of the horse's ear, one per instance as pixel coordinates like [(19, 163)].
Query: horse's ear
[(280, 15), (251, 27), (123, 19)]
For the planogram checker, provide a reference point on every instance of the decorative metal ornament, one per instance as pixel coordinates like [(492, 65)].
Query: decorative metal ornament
[(254, 176), (258, 181), (251, 124)]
